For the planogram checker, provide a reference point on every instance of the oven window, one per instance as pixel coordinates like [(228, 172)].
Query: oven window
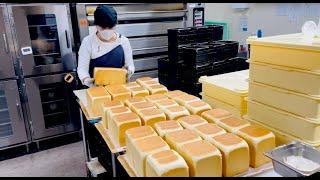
[(5, 123), (44, 39), (54, 104)]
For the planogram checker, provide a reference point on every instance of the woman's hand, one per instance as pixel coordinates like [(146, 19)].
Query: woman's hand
[(88, 82)]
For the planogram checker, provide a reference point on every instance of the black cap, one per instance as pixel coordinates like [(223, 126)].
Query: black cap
[(105, 16)]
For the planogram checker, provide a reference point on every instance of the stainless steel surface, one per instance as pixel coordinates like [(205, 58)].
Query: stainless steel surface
[(12, 125), (6, 46), (153, 74), (297, 149), (146, 45), (66, 60), (145, 15), (49, 102), (139, 7), (146, 63), (6, 55), (148, 42), (144, 29)]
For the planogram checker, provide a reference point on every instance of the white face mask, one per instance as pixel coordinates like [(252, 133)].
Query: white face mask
[(107, 34)]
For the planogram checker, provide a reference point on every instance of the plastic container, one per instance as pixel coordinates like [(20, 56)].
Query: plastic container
[(193, 73), (302, 128), (231, 49), (214, 103), (230, 88), (281, 137), (299, 104), (290, 50), (301, 81), (197, 54)]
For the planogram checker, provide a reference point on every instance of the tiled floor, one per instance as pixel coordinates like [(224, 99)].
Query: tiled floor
[(63, 161)]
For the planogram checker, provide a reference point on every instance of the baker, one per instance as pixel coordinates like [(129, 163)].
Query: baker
[(105, 48)]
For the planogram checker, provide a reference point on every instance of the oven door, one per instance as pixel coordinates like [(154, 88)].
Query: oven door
[(6, 62), (12, 125), (51, 105), (43, 38)]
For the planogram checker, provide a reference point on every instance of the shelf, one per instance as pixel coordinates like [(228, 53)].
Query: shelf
[(42, 25), (42, 39), (3, 110), (4, 124), (49, 54), (48, 102), (53, 114)]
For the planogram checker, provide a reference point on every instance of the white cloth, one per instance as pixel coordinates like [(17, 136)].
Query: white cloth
[(92, 47)]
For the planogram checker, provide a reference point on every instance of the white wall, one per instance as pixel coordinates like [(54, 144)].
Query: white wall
[(263, 16)]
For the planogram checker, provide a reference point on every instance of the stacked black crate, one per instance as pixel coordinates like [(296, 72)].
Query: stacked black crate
[(199, 58), (198, 61), (168, 68), (190, 56)]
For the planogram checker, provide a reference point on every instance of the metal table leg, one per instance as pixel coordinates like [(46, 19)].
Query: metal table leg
[(113, 165), (84, 137)]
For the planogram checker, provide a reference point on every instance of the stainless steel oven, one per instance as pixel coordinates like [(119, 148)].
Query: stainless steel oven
[(51, 105), (12, 125), (43, 38), (6, 58), (145, 24)]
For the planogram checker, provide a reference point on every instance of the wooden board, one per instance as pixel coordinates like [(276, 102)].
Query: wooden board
[(123, 159), (82, 100), (264, 169), (112, 145)]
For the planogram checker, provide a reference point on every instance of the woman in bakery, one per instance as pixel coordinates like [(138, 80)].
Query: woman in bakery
[(105, 48)]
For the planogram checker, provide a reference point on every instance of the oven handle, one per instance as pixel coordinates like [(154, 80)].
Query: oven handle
[(19, 110), (6, 45), (67, 39)]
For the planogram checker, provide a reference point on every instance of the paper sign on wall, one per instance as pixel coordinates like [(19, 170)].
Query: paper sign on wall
[(243, 23)]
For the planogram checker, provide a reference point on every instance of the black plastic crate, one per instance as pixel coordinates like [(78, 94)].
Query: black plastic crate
[(165, 66), (197, 55), (222, 67), (176, 54), (194, 71), (217, 32), (180, 36), (240, 63), (230, 49), (194, 88), (218, 49)]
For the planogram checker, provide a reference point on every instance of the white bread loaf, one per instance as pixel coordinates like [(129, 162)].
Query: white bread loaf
[(151, 116), (134, 134), (260, 140), (96, 96), (232, 124), (164, 127), (235, 153), (105, 107), (215, 115), (197, 107), (120, 123), (144, 147), (167, 163), (118, 92), (192, 121), (209, 130), (203, 159)]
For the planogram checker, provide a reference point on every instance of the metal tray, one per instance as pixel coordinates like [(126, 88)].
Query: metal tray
[(298, 149)]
